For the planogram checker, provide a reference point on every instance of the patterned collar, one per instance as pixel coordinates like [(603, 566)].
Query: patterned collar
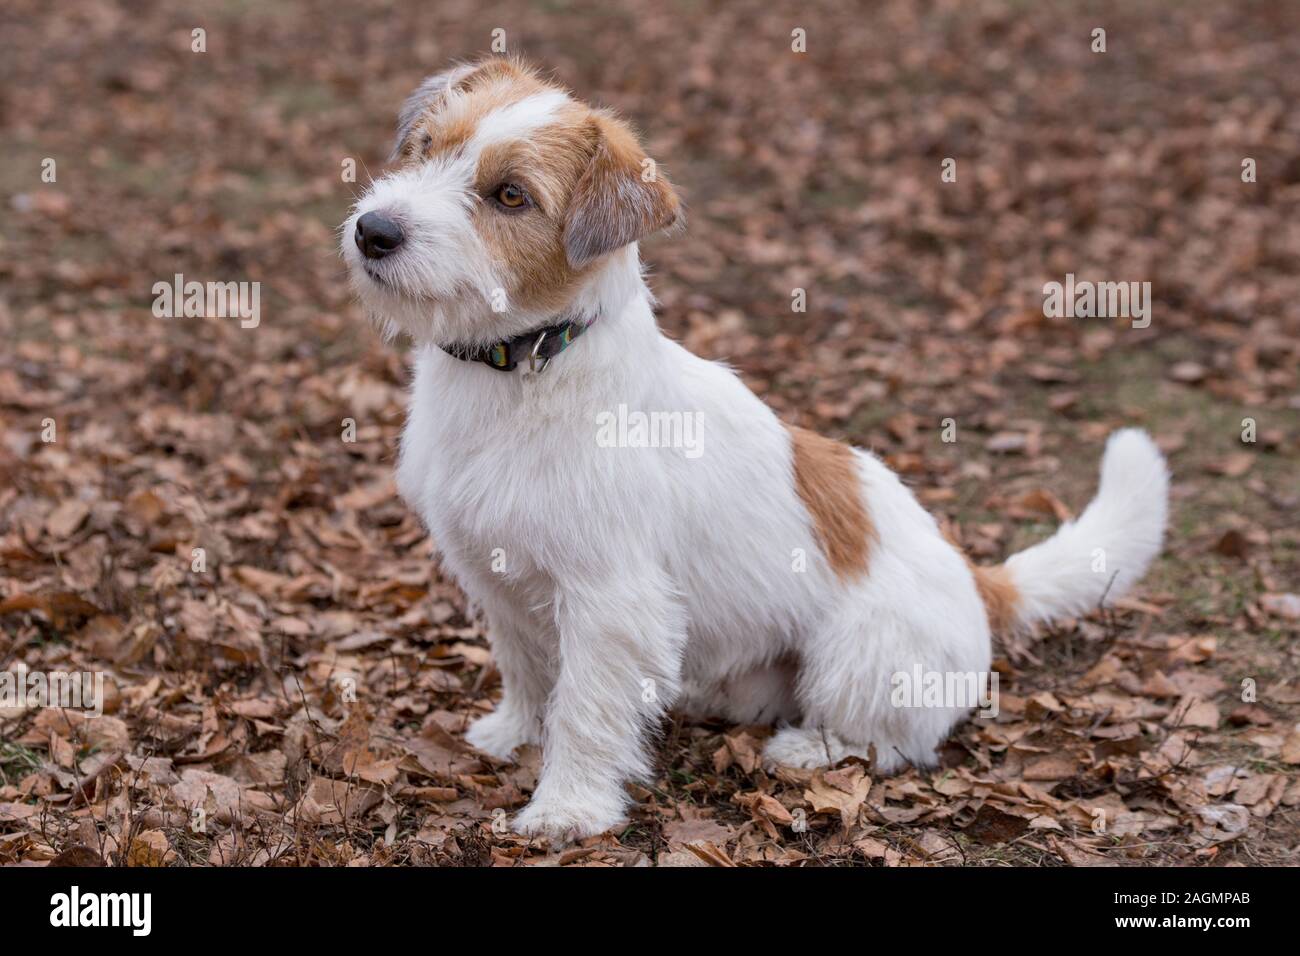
[(537, 347)]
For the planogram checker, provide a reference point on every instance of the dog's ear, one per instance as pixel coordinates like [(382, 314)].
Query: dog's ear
[(425, 96), (621, 198)]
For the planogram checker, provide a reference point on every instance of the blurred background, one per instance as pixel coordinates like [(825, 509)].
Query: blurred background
[(818, 170)]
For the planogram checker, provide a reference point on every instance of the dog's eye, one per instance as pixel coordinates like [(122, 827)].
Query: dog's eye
[(511, 196)]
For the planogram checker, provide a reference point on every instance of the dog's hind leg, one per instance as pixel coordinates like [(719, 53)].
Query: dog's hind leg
[(847, 678)]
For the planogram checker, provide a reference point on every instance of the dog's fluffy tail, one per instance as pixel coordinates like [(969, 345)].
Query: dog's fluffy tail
[(1096, 558)]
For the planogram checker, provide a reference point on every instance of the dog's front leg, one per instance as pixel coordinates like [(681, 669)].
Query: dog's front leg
[(620, 654), (522, 649), (526, 679)]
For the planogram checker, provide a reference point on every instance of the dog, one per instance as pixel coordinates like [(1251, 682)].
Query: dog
[(774, 576)]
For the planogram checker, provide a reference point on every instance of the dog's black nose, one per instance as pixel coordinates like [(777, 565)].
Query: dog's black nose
[(376, 236)]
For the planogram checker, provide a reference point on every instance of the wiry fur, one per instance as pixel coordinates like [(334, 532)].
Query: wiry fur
[(1111, 544), (617, 583)]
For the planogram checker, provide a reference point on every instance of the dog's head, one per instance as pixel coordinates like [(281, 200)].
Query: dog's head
[(507, 197)]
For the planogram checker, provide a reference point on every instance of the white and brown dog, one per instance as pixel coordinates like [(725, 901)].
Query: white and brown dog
[(762, 574)]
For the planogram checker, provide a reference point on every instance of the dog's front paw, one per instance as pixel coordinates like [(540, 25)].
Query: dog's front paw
[(574, 818), (499, 733)]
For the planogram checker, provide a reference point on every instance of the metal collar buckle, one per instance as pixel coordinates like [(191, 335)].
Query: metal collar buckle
[(533, 357)]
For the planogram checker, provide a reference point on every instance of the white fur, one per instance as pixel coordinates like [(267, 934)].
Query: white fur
[(1104, 553), (617, 583), (444, 280), (517, 120)]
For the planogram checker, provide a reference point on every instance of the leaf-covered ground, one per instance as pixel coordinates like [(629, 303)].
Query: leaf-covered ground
[(1122, 738)]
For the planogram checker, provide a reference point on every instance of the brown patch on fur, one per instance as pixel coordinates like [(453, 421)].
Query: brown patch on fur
[(826, 477), (492, 84), (996, 589), (1000, 595), (614, 204), (494, 69), (549, 165), (583, 170)]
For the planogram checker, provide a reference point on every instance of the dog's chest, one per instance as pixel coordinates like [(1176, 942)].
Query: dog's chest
[(524, 490)]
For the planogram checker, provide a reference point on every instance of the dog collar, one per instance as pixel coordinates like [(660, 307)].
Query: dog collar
[(537, 347)]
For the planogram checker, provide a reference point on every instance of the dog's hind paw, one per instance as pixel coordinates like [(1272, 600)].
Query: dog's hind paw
[(802, 748)]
